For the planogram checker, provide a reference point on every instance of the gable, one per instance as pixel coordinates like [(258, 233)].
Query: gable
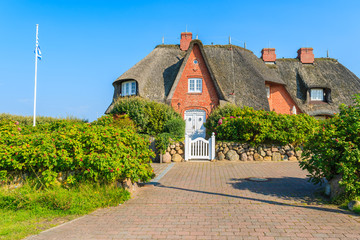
[(194, 67)]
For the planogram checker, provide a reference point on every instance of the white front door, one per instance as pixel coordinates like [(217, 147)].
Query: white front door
[(195, 119)]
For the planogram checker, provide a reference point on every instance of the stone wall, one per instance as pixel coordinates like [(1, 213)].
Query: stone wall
[(174, 153), (265, 152)]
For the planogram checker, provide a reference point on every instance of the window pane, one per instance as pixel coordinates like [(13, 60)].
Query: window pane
[(133, 88), (198, 85), (192, 85), (268, 91), (317, 94)]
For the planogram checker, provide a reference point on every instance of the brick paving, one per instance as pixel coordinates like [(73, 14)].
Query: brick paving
[(216, 201)]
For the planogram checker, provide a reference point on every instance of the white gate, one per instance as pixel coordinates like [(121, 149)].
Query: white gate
[(199, 148)]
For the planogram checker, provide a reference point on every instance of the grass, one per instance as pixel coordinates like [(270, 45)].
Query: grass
[(27, 210)]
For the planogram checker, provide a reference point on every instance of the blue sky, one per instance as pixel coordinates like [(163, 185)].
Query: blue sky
[(86, 45)]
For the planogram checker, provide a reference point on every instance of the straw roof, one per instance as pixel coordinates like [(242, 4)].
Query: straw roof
[(239, 77)]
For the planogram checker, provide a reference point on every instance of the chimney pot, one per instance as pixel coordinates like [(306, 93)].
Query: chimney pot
[(185, 40), (306, 55), (268, 54)]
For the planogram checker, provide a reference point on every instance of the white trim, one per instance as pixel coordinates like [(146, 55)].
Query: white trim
[(317, 94), (128, 88), (197, 85)]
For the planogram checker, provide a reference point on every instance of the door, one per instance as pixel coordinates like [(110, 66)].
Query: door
[(195, 119)]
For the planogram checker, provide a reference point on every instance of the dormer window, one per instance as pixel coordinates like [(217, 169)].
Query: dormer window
[(128, 88), (195, 85), (317, 94)]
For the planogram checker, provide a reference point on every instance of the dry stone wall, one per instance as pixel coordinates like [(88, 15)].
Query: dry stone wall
[(227, 151), (174, 153)]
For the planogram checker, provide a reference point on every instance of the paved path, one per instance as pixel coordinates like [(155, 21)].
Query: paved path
[(215, 201)]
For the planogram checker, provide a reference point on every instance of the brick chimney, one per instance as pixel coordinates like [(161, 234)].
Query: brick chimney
[(306, 55), (268, 55), (185, 40)]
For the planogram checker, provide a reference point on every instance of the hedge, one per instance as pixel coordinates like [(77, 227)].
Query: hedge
[(99, 152), (232, 123)]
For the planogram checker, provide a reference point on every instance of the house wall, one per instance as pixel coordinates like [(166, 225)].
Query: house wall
[(208, 99), (280, 100)]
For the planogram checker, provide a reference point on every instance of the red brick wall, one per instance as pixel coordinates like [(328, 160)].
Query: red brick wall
[(280, 100), (182, 100)]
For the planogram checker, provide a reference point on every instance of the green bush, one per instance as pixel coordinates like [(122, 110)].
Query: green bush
[(100, 152), (28, 120), (232, 123), (175, 127), (149, 116), (335, 149)]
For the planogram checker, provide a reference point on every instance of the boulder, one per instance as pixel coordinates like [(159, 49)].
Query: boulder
[(353, 204), (243, 157), (282, 151), (287, 148), (267, 158), (176, 158), (292, 158), (298, 153), (290, 153), (274, 149), (258, 157), (232, 155), (172, 152), (172, 146), (180, 151), (262, 153), (250, 158), (177, 148), (221, 156), (177, 144), (166, 158), (226, 149), (268, 153), (335, 188), (276, 156), (284, 157), (240, 151)]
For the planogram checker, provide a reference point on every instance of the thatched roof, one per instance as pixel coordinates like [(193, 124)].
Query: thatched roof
[(239, 77), (325, 73)]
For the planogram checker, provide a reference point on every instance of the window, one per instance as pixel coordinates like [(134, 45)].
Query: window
[(128, 88), (317, 94), (195, 85), (267, 91)]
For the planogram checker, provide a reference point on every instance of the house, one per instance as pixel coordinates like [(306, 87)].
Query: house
[(194, 79)]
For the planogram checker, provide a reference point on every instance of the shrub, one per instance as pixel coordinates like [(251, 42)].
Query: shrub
[(232, 123), (99, 152), (149, 116), (28, 120), (175, 127), (335, 149)]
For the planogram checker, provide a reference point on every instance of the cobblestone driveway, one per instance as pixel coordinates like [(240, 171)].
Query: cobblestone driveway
[(216, 201)]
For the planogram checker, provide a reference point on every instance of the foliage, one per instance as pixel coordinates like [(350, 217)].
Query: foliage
[(232, 123), (28, 120), (28, 210), (149, 116), (78, 151), (153, 118), (335, 149)]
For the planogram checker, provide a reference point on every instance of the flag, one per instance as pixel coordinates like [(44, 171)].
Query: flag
[(38, 51)]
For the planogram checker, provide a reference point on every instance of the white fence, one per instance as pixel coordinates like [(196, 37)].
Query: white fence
[(200, 148)]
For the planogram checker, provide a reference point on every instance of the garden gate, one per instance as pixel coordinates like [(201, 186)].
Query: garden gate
[(200, 148)]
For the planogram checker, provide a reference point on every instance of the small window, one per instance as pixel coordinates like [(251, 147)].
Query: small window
[(128, 88), (195, 85), (317, 94), (267, 91), (196, 61)]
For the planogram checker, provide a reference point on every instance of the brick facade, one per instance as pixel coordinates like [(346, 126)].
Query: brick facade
[(280, 100), (306, 55), (182, 100)]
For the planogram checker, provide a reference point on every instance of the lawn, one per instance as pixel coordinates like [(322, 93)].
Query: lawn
[(26, 211)]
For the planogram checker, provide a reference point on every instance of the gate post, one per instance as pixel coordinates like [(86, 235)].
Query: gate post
[(212, 142), (186, 146)]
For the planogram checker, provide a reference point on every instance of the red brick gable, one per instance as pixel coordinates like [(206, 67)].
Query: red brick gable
[(182, 100), (280, 100)]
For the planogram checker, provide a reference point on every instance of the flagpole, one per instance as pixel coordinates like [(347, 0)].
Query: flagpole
[(36, 58)]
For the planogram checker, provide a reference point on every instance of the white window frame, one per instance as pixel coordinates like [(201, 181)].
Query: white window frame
[(128, 88), (317, 94), (267, 91), (195, 85)]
